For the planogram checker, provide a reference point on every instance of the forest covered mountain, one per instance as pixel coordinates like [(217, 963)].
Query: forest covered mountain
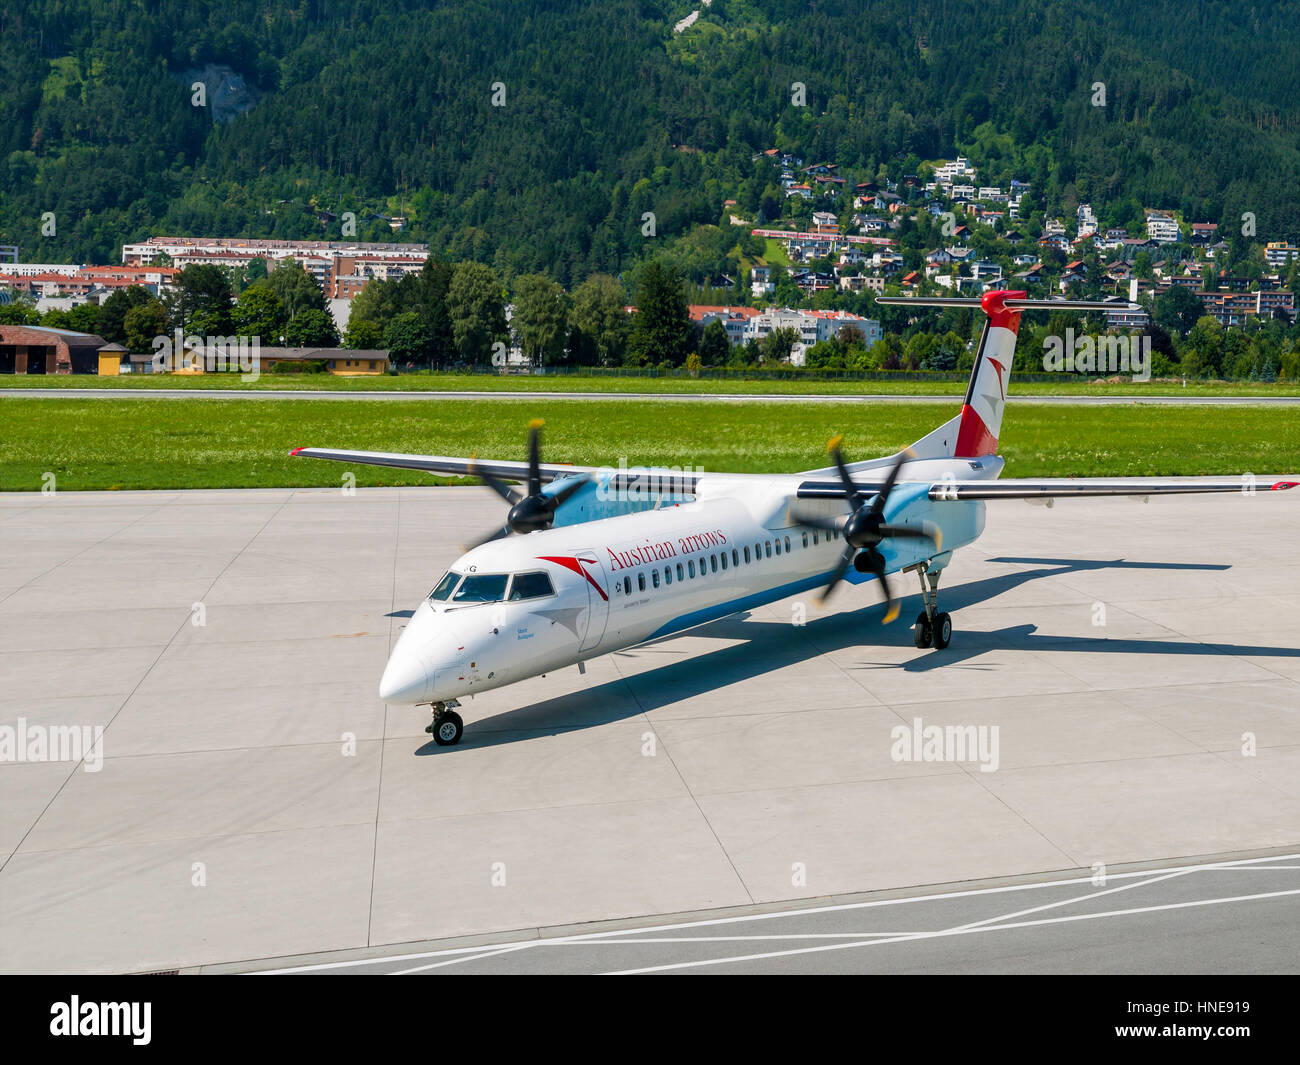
[(603, 112)]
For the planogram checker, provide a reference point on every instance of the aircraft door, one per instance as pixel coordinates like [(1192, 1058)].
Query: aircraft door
[(597, 598)]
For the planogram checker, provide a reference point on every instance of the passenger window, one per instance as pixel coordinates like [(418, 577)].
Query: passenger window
[(654, 577), (482, 588), (443, 590), (680, 576), (805, 539), (690, 567), (768, 545), (627, 585), (735, 557), (787, 545), (668, 575), (530, 586), (778, 547), (814, 538), (704, 565), (640, 582), (724, 560), (714, 560), (758, 552), (747, 554)]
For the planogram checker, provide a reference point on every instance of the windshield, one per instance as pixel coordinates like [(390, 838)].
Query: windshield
[(485, 588), (443, 591), (530, 586)]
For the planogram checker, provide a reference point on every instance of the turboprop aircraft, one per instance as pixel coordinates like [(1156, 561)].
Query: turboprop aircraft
[(591, 561)]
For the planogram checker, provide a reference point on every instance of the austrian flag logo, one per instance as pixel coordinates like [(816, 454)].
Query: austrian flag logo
[(578, 565)]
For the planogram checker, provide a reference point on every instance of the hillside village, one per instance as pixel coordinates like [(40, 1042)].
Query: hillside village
[(808, 276)]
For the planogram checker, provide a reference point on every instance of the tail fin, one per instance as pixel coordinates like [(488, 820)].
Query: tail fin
[(980, 420), (986, 395)]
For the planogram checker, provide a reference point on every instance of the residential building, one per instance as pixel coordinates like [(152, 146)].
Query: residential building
[(1162, 228)]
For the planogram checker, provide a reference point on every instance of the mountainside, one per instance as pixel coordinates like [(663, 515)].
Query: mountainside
[(387, 109)]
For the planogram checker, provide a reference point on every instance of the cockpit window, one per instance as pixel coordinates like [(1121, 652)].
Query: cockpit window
[(443, 591), (530, 586), (482, 588)]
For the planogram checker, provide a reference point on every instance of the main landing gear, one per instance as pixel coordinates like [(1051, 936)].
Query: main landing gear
[(933, 629), (447, 727)]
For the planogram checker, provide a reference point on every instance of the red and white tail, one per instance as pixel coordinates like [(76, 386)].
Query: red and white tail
[(979, 424), (986, 395)]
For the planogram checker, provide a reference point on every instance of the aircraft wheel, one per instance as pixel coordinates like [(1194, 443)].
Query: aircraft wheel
[(923, 635), (942, 631), (448, 729)]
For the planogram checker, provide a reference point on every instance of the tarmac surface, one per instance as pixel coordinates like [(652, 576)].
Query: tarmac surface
[(680, 397), (1241, 916), (256, 800)]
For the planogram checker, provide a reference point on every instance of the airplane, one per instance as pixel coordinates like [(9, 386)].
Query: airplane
[(590, 561)]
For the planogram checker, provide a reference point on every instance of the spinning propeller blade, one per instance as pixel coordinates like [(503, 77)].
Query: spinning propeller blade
[(864, 529)]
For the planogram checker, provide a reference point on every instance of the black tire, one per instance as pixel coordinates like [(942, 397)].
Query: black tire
[(448, 729), (942, 631), (921, 635)]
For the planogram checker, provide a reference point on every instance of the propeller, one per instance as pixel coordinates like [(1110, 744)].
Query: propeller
[(864, 527), (535, 510)]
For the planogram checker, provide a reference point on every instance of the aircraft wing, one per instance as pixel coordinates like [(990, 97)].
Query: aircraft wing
[(1058, 487), (1081, 487), (451, 466)]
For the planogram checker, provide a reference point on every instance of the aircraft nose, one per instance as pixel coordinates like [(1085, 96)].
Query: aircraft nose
[(405, 679)]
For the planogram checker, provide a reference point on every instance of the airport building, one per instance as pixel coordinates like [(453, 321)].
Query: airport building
[(35, 349)]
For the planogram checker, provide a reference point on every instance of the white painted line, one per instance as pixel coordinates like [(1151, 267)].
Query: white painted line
[(1239, 863), (468, 957), (1065, 919)]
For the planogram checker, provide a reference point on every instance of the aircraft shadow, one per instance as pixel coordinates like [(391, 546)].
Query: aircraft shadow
[(766, 646)]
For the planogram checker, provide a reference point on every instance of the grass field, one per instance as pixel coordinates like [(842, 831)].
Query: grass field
[(454, 382), (182, 443)]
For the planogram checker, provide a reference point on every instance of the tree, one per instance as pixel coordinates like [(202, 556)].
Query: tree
[(259, 313), (142, 324), (1204, 349), (363, 336), (541, 318), (777, 345), (84, 317), (1177, 310), (110, 321), (199, 303), (714, 345), (311, 328), (256, 270), (477, 309), (661, 330), (434, 282), (376, 304), (409, 339), (296, 289), (599, 315)]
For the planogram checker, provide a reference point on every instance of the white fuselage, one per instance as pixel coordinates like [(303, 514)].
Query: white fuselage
[(618, 582)]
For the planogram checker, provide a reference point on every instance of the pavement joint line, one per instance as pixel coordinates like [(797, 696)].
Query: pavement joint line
[(144, 676), (154, 508), (798, 908), (689, 790), (383, 745)]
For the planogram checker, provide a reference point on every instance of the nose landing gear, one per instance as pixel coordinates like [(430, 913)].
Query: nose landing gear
[(447, 727)]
